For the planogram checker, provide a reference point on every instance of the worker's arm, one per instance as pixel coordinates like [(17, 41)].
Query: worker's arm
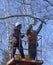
[(39, 28), (22, 35)]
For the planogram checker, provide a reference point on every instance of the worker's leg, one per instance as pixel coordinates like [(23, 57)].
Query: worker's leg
[(32, 51), (14, 49), (21, 50)]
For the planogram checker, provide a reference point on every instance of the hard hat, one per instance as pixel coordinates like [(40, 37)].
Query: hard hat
[(17, 24)]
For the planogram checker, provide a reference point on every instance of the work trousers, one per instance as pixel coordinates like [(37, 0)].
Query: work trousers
[(16, 45), (32, 50)]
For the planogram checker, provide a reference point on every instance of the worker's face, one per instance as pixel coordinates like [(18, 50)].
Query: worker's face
[(19, 27), (35, 23), (30, 27)]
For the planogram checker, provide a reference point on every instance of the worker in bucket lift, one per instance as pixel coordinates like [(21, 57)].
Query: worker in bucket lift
[(18, 41), (32, 40)]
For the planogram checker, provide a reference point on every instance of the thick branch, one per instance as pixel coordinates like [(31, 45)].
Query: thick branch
[(7, 17)]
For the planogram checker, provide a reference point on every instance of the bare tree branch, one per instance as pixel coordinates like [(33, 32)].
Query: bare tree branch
[(1, 18)]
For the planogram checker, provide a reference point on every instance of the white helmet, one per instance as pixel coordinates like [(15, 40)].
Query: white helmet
[(17, 24)]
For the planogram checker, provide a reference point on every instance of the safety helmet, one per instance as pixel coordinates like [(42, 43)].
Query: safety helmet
[(17, 24)]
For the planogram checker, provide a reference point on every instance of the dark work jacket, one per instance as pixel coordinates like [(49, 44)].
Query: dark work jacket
[(34, 32), (17, 34)]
